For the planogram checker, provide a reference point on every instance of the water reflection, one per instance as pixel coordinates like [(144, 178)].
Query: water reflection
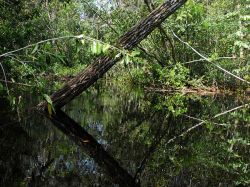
[(131, 126), (90, 146)]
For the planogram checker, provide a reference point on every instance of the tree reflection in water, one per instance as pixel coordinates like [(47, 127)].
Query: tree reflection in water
[(131, 126)]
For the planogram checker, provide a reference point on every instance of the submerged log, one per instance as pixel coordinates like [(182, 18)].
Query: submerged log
[(97, 69), (93, 149)]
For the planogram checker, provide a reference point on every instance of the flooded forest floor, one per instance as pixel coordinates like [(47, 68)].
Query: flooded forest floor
[(170, 139)]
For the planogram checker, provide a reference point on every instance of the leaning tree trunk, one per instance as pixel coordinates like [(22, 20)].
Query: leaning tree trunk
[(97, 69)]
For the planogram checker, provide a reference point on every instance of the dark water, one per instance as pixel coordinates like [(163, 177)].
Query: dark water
[(131, 126)]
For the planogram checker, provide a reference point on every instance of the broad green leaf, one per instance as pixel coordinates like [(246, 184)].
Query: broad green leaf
[(135, 53), (96, 47), (35, 49), (50, 106), (172, 73), (242, 44), (80, 36), (122, 61), (214, 56), (47, 98), (105, 48), (210, 126), (118, 55), (127, 59), (83, 41), (99, 48), (50, 109)]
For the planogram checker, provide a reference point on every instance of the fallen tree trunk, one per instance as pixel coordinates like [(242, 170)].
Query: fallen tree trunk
[(97, 69)]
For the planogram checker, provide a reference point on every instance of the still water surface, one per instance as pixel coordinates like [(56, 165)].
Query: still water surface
[(135, 128)]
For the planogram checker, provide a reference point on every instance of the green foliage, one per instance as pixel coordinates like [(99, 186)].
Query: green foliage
[(175, 76), (175, 104), (50, 106), (216, 29), (131, 122)]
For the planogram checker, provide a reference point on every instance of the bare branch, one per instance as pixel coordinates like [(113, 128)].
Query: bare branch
[(203, 122), (208, 60), (145, 160), (17, 83), (5, 79), (81, 36), (202, 60), (32, 45)]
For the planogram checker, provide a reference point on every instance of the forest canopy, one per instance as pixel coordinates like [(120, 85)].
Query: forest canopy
[(204, 44)]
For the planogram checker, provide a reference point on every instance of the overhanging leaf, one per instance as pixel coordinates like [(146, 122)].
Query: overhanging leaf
[(96, 47), (50, 106), (135, 53), (127, 59), (50, 111), (105, 48), (47, 98), (35, 49)]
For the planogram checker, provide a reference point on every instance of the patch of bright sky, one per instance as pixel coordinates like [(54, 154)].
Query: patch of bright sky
[(102, 5), (106, 4)]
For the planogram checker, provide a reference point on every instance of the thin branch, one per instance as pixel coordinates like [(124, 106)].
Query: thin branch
[(5, 79), (144, 162), (17, 83), (202, 60), (58, 38), (194, 118), (32, 45), (203, 122), (210, 61), (231, 110)]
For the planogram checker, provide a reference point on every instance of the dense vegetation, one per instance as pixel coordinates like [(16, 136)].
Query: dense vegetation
[(204, 46), (218, 30)]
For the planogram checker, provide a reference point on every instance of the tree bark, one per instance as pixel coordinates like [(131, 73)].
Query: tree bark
[(97, 69)]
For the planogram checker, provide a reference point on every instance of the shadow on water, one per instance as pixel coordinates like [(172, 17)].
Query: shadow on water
[(129, 127)]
